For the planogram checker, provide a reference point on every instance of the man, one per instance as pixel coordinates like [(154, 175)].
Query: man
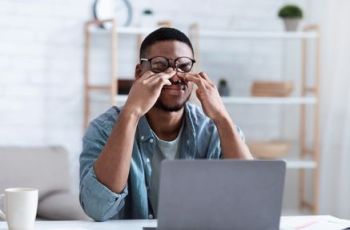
[(123, 148)]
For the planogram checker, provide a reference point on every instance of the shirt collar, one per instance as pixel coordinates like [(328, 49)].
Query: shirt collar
[(145, 132)]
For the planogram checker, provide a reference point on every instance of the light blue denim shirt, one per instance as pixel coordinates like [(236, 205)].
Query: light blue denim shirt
[(199, 139)]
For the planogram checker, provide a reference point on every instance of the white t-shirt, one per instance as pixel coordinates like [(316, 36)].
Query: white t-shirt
[(164, 150)]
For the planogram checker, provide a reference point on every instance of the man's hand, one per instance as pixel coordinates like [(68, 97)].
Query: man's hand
[(208, 95), (231, 143), (113, 164), (146, 90)]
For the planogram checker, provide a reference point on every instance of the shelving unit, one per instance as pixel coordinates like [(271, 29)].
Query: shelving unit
[(119, 99), (291, 163), (259, 35), (270, 100), (308, 159), (93, 28), (309, 156)]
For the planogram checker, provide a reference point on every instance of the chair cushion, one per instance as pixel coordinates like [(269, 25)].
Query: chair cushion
[(61, 206), (45, 168)]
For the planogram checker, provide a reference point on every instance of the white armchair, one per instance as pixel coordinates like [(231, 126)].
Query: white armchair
[(45, 168)]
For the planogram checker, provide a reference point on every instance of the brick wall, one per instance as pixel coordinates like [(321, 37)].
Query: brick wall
[(41, 63)]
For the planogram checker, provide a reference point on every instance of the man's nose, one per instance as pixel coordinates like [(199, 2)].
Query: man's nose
[(172, 65), (175, 78)]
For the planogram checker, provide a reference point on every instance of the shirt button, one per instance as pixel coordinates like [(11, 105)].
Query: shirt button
[(188, 142), (151, 140), (142, 137), (150, 216), (147, 160)]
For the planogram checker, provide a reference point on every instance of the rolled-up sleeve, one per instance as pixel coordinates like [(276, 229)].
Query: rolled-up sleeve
[(215, 151), (97, 200)]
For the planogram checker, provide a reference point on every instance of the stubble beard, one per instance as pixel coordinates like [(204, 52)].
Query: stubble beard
[(169, 108)]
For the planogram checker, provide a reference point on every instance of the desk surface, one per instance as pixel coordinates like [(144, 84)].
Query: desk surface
[(287, 223), (87, 225)]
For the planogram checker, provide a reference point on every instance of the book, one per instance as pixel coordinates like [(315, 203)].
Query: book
[(313, 223)]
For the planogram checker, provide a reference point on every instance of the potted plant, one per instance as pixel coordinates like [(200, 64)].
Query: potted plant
[(147, 12), (291, 15), (223, 88)]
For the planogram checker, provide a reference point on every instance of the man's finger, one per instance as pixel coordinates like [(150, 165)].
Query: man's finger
[(204, 75), (182, 77), (200, 82), (160, 77), (169, 70), (168, 74), (146, 75)]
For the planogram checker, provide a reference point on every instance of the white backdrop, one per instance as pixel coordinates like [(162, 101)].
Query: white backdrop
[(335, 120)]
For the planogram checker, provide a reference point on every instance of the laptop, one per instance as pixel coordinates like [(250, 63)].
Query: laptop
[(220, 194)]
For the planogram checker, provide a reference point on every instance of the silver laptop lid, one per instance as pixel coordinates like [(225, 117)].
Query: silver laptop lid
[(220, 194)]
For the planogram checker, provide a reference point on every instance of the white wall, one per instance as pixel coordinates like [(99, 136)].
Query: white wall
[(335, 119), (41, 72), (41, 63)]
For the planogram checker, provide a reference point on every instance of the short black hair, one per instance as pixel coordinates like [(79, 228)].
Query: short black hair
[(164, 34)]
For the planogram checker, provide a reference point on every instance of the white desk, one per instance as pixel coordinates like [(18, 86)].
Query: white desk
[(287, 223), (86, 225)]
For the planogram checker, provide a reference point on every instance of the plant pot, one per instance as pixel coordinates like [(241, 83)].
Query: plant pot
[(148, 21), (291, 24), (223, 88)]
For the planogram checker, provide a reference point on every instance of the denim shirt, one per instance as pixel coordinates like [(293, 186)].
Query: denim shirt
[(199, 139)]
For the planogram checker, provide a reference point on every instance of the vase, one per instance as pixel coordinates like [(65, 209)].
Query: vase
[(223, 89), (291, 24)]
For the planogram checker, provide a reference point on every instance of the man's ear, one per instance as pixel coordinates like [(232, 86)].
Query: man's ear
[(138, 71)]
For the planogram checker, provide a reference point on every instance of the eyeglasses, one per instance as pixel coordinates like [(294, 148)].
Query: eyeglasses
[(160, 64)]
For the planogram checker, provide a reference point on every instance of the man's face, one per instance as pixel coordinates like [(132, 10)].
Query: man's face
[(173, 97)]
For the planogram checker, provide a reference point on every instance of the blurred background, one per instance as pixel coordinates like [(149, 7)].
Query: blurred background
[(281, 67)]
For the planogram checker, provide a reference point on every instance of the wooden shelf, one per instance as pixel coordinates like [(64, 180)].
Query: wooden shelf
[(270, 100), (300, 164), (257, 34), (124, 30), (309, 100), (217, 33)]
